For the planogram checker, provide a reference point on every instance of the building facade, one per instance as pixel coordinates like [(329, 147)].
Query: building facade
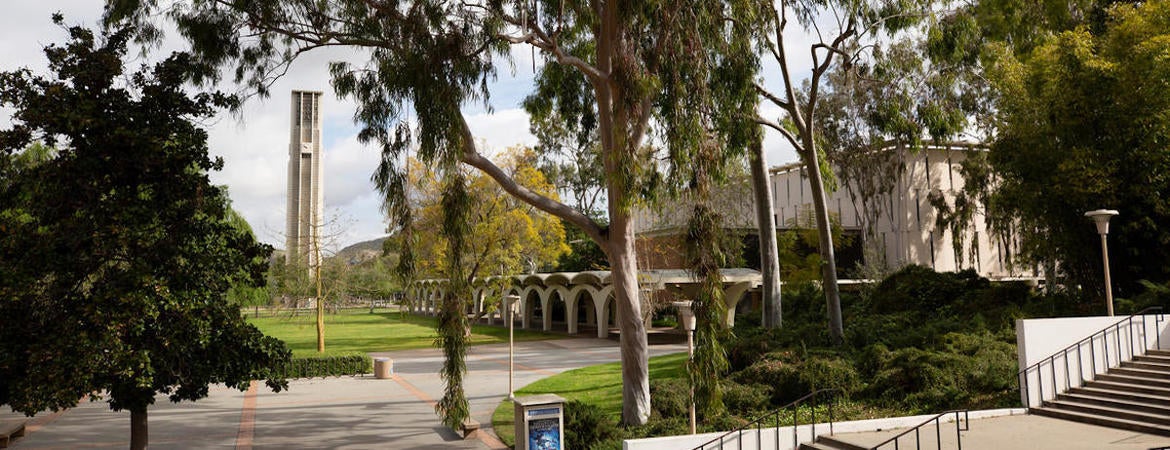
[(306, 195), (890, 205)]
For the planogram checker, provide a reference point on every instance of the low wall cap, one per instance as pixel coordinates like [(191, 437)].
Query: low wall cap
[(543, 399)]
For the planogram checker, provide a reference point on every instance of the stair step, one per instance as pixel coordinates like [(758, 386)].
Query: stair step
[(1100, 391), (1162, 353), (1102, 421), (1153, 358), (1141, 372), (1113, 402), (831, 442), (1122, 378), (1164, 392), (816, 446), (1153, 366), (1110, 412)]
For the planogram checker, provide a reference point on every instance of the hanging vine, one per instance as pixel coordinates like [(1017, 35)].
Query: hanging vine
[(452, 321)]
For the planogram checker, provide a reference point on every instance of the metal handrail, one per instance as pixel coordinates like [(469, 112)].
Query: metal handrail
[(1116, 329), (960, 426), (760, 422)]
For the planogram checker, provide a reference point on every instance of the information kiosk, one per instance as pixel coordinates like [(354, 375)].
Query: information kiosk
[(540, 422)]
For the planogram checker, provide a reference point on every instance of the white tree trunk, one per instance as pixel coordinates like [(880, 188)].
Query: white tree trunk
[(824, 229), (634, 347), (766, 224)]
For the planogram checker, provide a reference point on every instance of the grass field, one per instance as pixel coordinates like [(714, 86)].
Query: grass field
[(600, 385), (359, 330)]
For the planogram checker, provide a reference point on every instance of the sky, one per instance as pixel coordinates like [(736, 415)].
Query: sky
[(254, 142)]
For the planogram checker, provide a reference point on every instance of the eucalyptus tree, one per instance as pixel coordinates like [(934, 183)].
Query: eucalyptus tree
[(842, 31), (658, 78)]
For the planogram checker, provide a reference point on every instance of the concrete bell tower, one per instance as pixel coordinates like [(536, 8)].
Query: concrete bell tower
[(306, 195)]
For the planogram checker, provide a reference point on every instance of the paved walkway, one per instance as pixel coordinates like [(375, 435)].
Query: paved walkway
[(342, 413), (1019, 432)]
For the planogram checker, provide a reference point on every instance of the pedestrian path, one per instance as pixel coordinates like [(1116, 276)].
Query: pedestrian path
[(341, 413)]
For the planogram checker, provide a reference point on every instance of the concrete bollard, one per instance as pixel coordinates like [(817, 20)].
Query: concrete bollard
[(383, 368)]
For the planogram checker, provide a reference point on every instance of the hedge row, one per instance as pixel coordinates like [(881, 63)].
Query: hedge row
[(349, 363)]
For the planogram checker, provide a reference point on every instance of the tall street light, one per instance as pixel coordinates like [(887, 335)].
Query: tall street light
[(1101, 218), (512, 301), (687, 320)]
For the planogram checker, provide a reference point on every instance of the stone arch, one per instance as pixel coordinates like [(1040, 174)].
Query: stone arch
[(554, 302), (530, 297), (602, 300), (732, 294)]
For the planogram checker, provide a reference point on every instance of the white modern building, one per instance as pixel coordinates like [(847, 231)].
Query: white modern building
[(886, 208), (890, 210), (306, 195)]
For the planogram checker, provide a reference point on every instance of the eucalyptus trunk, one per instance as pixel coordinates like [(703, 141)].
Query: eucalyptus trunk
[(766, 224), (634, 356), (825, 232)]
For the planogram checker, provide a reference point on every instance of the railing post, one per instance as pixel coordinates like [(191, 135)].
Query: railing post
[(958, 435), (794, 443), (1067, 378), (1052, 366), (1093, 357), (938, 432), (1130, 326), (1027, 393), (831, 401), (1080, 366), (814, 416)]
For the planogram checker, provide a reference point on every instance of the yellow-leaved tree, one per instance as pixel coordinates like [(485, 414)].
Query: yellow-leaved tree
[(508, 236)]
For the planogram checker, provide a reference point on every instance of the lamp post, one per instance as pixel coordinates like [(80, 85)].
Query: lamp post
[(512, 301), (687, 319), (1101, 219)]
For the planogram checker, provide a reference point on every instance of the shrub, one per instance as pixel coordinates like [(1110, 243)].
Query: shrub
[(917, 288), (747, 347), (966, 370), (586, 425), (830, 373), (783, 378), (670, 397), (746, 398), (348, 363)]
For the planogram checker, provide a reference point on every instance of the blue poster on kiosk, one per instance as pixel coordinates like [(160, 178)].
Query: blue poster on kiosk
[(544, 434)]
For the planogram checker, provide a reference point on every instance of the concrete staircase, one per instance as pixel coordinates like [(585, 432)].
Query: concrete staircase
[(830, 443), (1135, 396)]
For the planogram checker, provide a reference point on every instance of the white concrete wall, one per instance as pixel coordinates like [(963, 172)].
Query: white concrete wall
[(768, 436), (1056, 344)]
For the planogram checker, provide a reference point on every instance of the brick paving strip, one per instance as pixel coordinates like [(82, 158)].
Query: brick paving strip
[(247, 419), (488, 439)]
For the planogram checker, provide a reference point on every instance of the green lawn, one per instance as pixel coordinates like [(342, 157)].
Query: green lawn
[(600, 385), (382, 331)]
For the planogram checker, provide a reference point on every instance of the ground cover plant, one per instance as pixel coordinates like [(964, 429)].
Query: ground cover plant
[(916, 343), (382, 331), (593, 397)]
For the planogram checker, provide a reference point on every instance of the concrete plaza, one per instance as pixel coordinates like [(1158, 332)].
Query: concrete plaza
[(344, 412), (364, 412)]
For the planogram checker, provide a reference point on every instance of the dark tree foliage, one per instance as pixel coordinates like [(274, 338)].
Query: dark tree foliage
[(116, 250), (1072, 98)]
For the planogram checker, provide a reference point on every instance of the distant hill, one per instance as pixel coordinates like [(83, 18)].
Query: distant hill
[(362, 251)]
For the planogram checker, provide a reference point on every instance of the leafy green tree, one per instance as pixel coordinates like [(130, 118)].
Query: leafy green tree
[(1083, 123), (117, 252), (659, 80)]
